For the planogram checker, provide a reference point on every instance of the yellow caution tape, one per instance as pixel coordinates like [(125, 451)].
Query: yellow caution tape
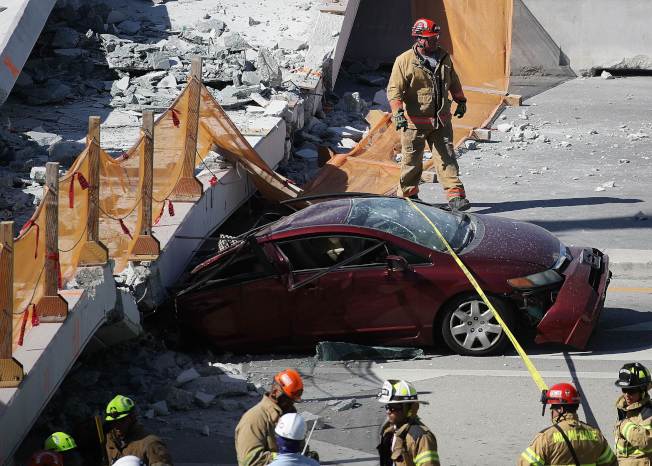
[(534, 373)]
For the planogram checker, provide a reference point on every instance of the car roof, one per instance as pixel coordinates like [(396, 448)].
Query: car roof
[(332, 212)]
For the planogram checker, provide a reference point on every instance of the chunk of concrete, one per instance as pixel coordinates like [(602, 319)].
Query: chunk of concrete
[(160, 408), (43, 139), (276, 108), (187, 376), (167, 82), (292, 44), (116, 16), (179, 399), (37, 174), (65, 152), (204, 399), (65, 38), (130, 26)]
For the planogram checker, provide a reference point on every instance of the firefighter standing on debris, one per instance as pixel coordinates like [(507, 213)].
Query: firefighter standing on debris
[(127, 437), (417, 92), (255, 444), (568, 441), (634, 427), (404, 439), (60, 449)]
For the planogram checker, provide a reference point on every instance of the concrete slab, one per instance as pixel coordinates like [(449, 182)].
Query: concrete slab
[(200, 219), (48, 353), (21, 23)]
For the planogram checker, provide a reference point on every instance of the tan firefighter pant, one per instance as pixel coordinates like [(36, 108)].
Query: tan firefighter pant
[(440, 142)]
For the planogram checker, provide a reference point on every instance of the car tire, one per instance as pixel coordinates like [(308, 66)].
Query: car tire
[(469, 328)]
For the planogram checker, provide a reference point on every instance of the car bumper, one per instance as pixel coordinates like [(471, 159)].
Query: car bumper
[(573, 317)]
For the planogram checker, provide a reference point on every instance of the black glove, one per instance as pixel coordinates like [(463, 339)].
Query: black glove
[(399, 120), (461, 109), (312, 454)]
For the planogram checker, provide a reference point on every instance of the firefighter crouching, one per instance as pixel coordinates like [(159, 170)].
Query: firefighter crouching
[(568, 441), (404, 439)]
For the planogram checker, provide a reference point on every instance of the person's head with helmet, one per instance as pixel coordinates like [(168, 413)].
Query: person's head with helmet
[(426, 33), (287, 389), (562, 397), (120, 415), (58, 449), (290, 433), (128, 461), (634, 380), (401, 401)]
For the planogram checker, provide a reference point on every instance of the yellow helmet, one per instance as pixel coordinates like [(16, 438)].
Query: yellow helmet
[(60, 442), (398, 391), (118, 408)]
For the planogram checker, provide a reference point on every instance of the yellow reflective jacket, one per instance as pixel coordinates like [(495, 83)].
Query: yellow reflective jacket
[(634, 432), (422, 91), (550, 449), (255, 444), (149, 448), (412, 444)]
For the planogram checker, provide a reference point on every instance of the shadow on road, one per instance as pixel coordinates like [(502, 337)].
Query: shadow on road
[(510, 206)]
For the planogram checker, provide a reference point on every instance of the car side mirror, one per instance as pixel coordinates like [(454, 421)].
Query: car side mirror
[(397, 264)]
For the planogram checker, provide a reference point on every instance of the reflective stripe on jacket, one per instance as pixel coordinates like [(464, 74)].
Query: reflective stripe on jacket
[(424, 92), (633, 432), (255, 443), (550, 449), (412, 444)]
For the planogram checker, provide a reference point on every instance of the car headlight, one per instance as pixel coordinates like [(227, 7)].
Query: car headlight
[(536, 280)]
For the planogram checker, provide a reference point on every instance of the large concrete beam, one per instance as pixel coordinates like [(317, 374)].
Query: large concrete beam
[(48, 353), (21, 23), (597, 33)]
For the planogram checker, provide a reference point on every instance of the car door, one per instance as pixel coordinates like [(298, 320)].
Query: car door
[(244, 302)]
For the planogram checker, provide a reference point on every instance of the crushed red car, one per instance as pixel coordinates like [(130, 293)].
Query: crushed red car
[(371, 270)]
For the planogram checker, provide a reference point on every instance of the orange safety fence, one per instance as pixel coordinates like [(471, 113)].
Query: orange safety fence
[(120, 195), (477, 33)]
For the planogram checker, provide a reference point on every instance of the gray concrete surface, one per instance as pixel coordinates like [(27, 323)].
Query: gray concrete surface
[(21, 22), (594, 33), (593, 127)]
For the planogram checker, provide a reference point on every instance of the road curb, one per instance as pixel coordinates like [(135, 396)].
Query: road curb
[(630, 263)]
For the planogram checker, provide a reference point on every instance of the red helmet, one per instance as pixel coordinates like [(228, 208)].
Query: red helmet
[(425, 27), (46, 458)]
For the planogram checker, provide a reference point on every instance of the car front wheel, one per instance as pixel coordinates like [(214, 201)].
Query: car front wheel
[(469, 327)]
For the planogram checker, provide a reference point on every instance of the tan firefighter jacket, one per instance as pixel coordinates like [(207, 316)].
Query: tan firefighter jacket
[(412, 444), (634, 432), (550, 448), (255, 443), (424, 92), (149, 448)]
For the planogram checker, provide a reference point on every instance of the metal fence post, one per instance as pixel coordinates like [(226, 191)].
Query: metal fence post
[(188, 187), (93, 251), (11, 371), (146, 246), (52, 307)]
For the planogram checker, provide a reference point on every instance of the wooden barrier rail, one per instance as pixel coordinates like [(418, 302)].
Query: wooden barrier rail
[(11, 371)]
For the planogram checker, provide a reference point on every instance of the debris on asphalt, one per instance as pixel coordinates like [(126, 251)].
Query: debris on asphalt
[(341, 351)]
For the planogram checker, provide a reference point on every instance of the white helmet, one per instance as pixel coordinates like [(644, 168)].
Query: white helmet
[(128, 461), (398, 391), (291, 426)]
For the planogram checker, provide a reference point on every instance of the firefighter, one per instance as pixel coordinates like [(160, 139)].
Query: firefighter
[(60, 449), (568, 441), (418, 89), (127, 437), (290, 436), (634, 427), (255, 444), (404, 439)]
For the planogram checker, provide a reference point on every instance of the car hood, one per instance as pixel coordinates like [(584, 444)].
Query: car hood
[(504, 239)]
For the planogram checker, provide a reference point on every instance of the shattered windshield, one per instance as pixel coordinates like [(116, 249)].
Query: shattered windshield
[(397, 217)]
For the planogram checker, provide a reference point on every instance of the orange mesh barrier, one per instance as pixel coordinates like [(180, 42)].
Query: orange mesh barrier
[(477, 33), (120, 196)]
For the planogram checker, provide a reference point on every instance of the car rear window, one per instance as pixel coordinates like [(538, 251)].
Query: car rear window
[(397, 217)]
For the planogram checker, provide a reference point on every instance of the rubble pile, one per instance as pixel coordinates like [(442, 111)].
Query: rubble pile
[(167, 386)]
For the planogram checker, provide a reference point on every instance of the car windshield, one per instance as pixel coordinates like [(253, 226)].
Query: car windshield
[(397, 217)]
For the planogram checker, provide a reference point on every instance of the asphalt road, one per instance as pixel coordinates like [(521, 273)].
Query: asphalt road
[(484, 411)]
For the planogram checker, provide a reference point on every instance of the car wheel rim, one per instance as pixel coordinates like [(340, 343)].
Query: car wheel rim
[(474, 327)]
